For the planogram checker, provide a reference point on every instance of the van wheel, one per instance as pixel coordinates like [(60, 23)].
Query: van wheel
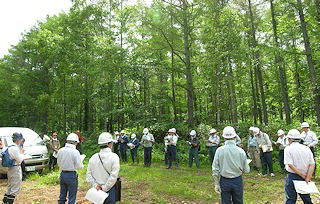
[(3, 176)]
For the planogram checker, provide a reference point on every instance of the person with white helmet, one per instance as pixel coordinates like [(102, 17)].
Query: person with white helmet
[(229, 163), (172, 140), (116, 143), (300, 165), (123, 146), (265, 146), (69, 161), (134, 144), (253, 150), (147, 140), (194, 143), (104, 167), (213, 144), (282, 142)]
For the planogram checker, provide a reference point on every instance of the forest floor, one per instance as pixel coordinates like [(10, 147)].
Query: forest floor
[(160, 186)]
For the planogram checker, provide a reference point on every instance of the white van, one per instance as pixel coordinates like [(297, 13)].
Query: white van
[(33, 146)]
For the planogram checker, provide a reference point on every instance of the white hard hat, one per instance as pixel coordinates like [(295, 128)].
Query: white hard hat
[(193, 132), (251, 129), (171, 130), (116, 133), (105, 138), (133, 136), (280, 132), (294, 134), (212, 131), (229, 132), (46, 138), (145, 130), (73, 137), (174, 130), (255, 130), (304, 125), (122, 132)]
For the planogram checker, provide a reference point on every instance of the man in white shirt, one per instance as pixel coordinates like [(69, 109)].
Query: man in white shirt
[(14, 172), (300, 166), (213, 144), (282, 142), (104, 167), (172, 140), (147, 140), (69, 161)]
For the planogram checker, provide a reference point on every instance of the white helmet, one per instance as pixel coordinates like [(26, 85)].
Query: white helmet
[(255, 130), (212, 131), (304, 125), (229, 132), (171, 130), (145, 131), (174, 130), (122, 132), (294, 134), (280, 132), (193, 132), (73, 137), (46, 138), (251, 129), (105, 138), (133, 136), (116, 133)]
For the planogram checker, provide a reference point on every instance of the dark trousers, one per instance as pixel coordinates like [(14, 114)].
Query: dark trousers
[(123, 152), (147, 156), (68, 184), (116, 149), (266, 160), (112, 196), (291, 191), (52, 161), (78, 147), (231, 190), (212, 152), (166, 157), (23, 170), (281, 159), (134, 156), (194, 153), (314, 156), (172, 155)]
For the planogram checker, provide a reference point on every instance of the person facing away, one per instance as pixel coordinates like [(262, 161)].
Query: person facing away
[(282, 142), (14, 172), (300, 165), (69, 161), (229, 163), (194, 143), (172, 140), (147, 140), (123, 146), (104, 167), (134, 148), (213, 144), (253, 150), (54, 148)]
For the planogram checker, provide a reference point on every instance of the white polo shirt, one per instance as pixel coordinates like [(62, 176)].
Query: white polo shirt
[(299, 156)]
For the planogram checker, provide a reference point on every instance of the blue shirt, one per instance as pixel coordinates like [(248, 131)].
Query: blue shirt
[(252, 141)]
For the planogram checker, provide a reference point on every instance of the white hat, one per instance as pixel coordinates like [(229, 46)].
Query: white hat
[(193, 132), (116, 133), (251, 128), (212, 131), (171, 130), (105, 138), (73, 137), (304, 125), (280, 132), (145, 131), (133, 136), (294, 134), (229, 132), (174, 130), (122, 132), (255, 130)]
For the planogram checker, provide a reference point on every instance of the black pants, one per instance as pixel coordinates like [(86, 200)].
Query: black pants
[(172, 155), (281, 158), (123, 152), (147, 156), (52, 161)]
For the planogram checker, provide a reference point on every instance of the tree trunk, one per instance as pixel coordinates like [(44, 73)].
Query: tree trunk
[(318, 11), (86, 106), (254, 100), (173, 88)]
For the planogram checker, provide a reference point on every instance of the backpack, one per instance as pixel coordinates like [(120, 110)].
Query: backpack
[(6, 160)]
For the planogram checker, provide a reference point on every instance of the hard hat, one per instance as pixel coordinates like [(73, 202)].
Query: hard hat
[(174, 130), (133, 136), (212, 131), (294, 134), (229, 132), (105, 138), (251, 129), (171, 130), (304, 125), (116, 133), (73, 137), (145, 131), (280, 132), (46, 138), (255, 130), (193, 132), (122, 132), (17, 136)]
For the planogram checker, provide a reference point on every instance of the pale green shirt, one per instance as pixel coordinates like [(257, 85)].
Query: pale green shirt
[(145, 138), (229, 161)]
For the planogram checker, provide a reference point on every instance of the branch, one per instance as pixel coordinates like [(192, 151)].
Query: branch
[(171, 4)]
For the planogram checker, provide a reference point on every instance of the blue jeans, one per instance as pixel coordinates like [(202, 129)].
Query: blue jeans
[(231, 190), (147, 156), (112, 196), (123, 152), (134, 155), (266, 160), (291, 191), (68, 183)]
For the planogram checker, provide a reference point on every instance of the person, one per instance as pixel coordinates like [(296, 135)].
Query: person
[(300, 165), (54, 148), (194, 143), (171, 145), (123, 146), (69, 161), (81, 140), (147, 140), (166, 150), (282, 142), (309, 138), (104, 167), (116, 143), (238, 141), (23, 165), (213, 144), (253, 150), (229, 163), (14, 172), (265, 146), (134, 149)]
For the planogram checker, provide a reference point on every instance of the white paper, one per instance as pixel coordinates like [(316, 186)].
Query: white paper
[(97, 197), (82, 156), (305, 188), (131, 145), (55, 154)]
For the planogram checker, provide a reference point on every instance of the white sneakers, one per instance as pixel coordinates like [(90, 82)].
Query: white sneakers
[(272, 175)]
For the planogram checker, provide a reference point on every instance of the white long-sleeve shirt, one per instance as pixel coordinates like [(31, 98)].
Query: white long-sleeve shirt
[(14, 153), (97, 174), (69, 159), (309, 138)]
